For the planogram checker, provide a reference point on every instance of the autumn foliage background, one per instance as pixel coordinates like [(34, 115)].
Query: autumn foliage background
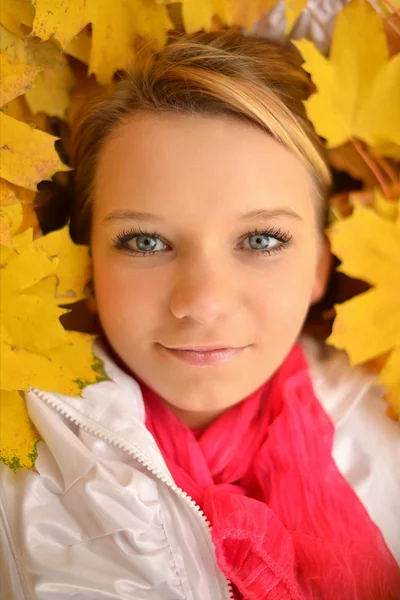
[(55, 55)]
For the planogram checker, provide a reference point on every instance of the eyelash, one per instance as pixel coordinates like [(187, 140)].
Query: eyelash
[(121, 240)]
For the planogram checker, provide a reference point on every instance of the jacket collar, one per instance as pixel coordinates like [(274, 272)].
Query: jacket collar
[(112, 409)]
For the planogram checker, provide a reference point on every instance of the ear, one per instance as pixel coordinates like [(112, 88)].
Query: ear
[(323, 271)]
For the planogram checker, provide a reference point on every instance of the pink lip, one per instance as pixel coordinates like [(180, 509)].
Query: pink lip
[(205, 358), (202, 348)]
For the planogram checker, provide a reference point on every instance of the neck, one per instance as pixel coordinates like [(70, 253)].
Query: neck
[(195, 419)]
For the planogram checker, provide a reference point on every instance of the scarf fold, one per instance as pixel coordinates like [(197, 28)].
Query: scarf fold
[(285, 523)]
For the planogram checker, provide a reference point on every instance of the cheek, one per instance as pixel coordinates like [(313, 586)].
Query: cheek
[(127, 299), (286, 293)]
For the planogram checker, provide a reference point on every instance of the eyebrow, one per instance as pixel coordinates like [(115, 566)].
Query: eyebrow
[(132, 215)]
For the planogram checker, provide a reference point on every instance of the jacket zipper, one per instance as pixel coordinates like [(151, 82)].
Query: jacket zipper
[(141, 458)]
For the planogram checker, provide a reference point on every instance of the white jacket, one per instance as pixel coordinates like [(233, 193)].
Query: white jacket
[(104, 520)]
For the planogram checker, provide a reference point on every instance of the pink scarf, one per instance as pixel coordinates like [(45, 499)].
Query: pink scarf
[(285, 523)]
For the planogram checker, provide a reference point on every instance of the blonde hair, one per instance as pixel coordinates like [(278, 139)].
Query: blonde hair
[(221, 73)]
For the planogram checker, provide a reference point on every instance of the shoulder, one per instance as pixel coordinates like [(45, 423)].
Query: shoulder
[(366, 445)]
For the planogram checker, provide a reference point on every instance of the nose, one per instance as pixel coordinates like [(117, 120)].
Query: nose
[(204, 291)]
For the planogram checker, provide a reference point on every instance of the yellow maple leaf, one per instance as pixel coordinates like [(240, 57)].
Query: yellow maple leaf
[(18, 109), (53, 261), (79, 46), (115, 26), (358, 87), (30, 322), (10, 222), (13, 194), (73, 269), (386, 208), (293, 9), (30, 50), (67, 369), (17, 443), (35, 349), (50, 93), (16, 13), (368, 325), (27, 155), (53, 78), (19, 78), (199, 15), (247, 14), (62, 19)]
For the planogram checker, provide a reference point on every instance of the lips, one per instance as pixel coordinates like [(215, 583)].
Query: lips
[(204, 358), (205, 348)]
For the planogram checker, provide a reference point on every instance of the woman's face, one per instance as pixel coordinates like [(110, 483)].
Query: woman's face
[(204, 279)]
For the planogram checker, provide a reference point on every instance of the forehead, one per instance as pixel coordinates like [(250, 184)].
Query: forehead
[(195, 166)]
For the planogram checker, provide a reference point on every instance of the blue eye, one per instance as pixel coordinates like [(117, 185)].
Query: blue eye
[(146, 243), (270, 241), (266, 242)]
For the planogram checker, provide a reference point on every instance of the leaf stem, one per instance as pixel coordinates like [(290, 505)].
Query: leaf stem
[(374, 168), (387, 167), (391, 24), (392, 6)]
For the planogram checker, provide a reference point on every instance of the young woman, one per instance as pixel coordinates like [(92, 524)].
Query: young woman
[(227, 456)]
